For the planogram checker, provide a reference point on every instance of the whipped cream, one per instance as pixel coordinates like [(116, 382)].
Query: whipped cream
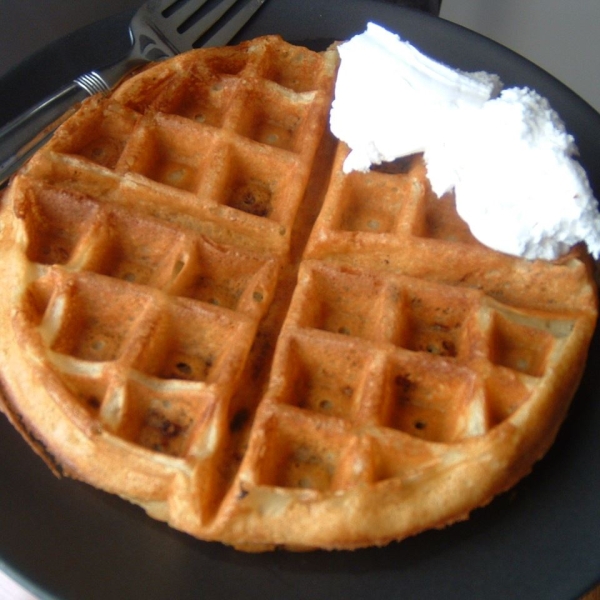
[(504, 152)]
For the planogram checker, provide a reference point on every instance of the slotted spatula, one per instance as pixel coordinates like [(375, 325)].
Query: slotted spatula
[(159, 29)]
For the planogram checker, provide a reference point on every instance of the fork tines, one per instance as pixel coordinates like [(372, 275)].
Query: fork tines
[(206, 22)]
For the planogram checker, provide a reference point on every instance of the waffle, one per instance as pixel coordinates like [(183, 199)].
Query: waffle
[(204, 315)]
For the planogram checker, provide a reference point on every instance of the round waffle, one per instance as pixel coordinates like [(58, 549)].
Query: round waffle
[(204, 315)]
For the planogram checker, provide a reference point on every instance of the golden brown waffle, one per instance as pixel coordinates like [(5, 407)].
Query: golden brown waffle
[(206, 316)]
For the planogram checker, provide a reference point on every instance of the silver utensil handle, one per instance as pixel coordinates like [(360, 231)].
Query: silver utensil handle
[(20, 138)]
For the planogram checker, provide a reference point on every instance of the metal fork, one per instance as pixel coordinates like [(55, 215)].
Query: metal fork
[(159, 29)]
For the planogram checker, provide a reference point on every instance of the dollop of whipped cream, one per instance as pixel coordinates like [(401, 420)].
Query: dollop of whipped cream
[(504, 152)]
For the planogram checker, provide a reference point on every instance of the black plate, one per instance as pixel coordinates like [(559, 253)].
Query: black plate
[(63, 539)]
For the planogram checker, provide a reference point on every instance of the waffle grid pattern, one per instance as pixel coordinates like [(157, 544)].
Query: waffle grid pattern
[(424, 361), (209, 303), (185, 304)]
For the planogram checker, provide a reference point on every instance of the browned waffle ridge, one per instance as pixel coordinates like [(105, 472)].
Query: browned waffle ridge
[(206, 316)]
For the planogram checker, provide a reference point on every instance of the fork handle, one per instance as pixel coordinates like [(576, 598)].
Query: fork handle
[(20, 138)]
